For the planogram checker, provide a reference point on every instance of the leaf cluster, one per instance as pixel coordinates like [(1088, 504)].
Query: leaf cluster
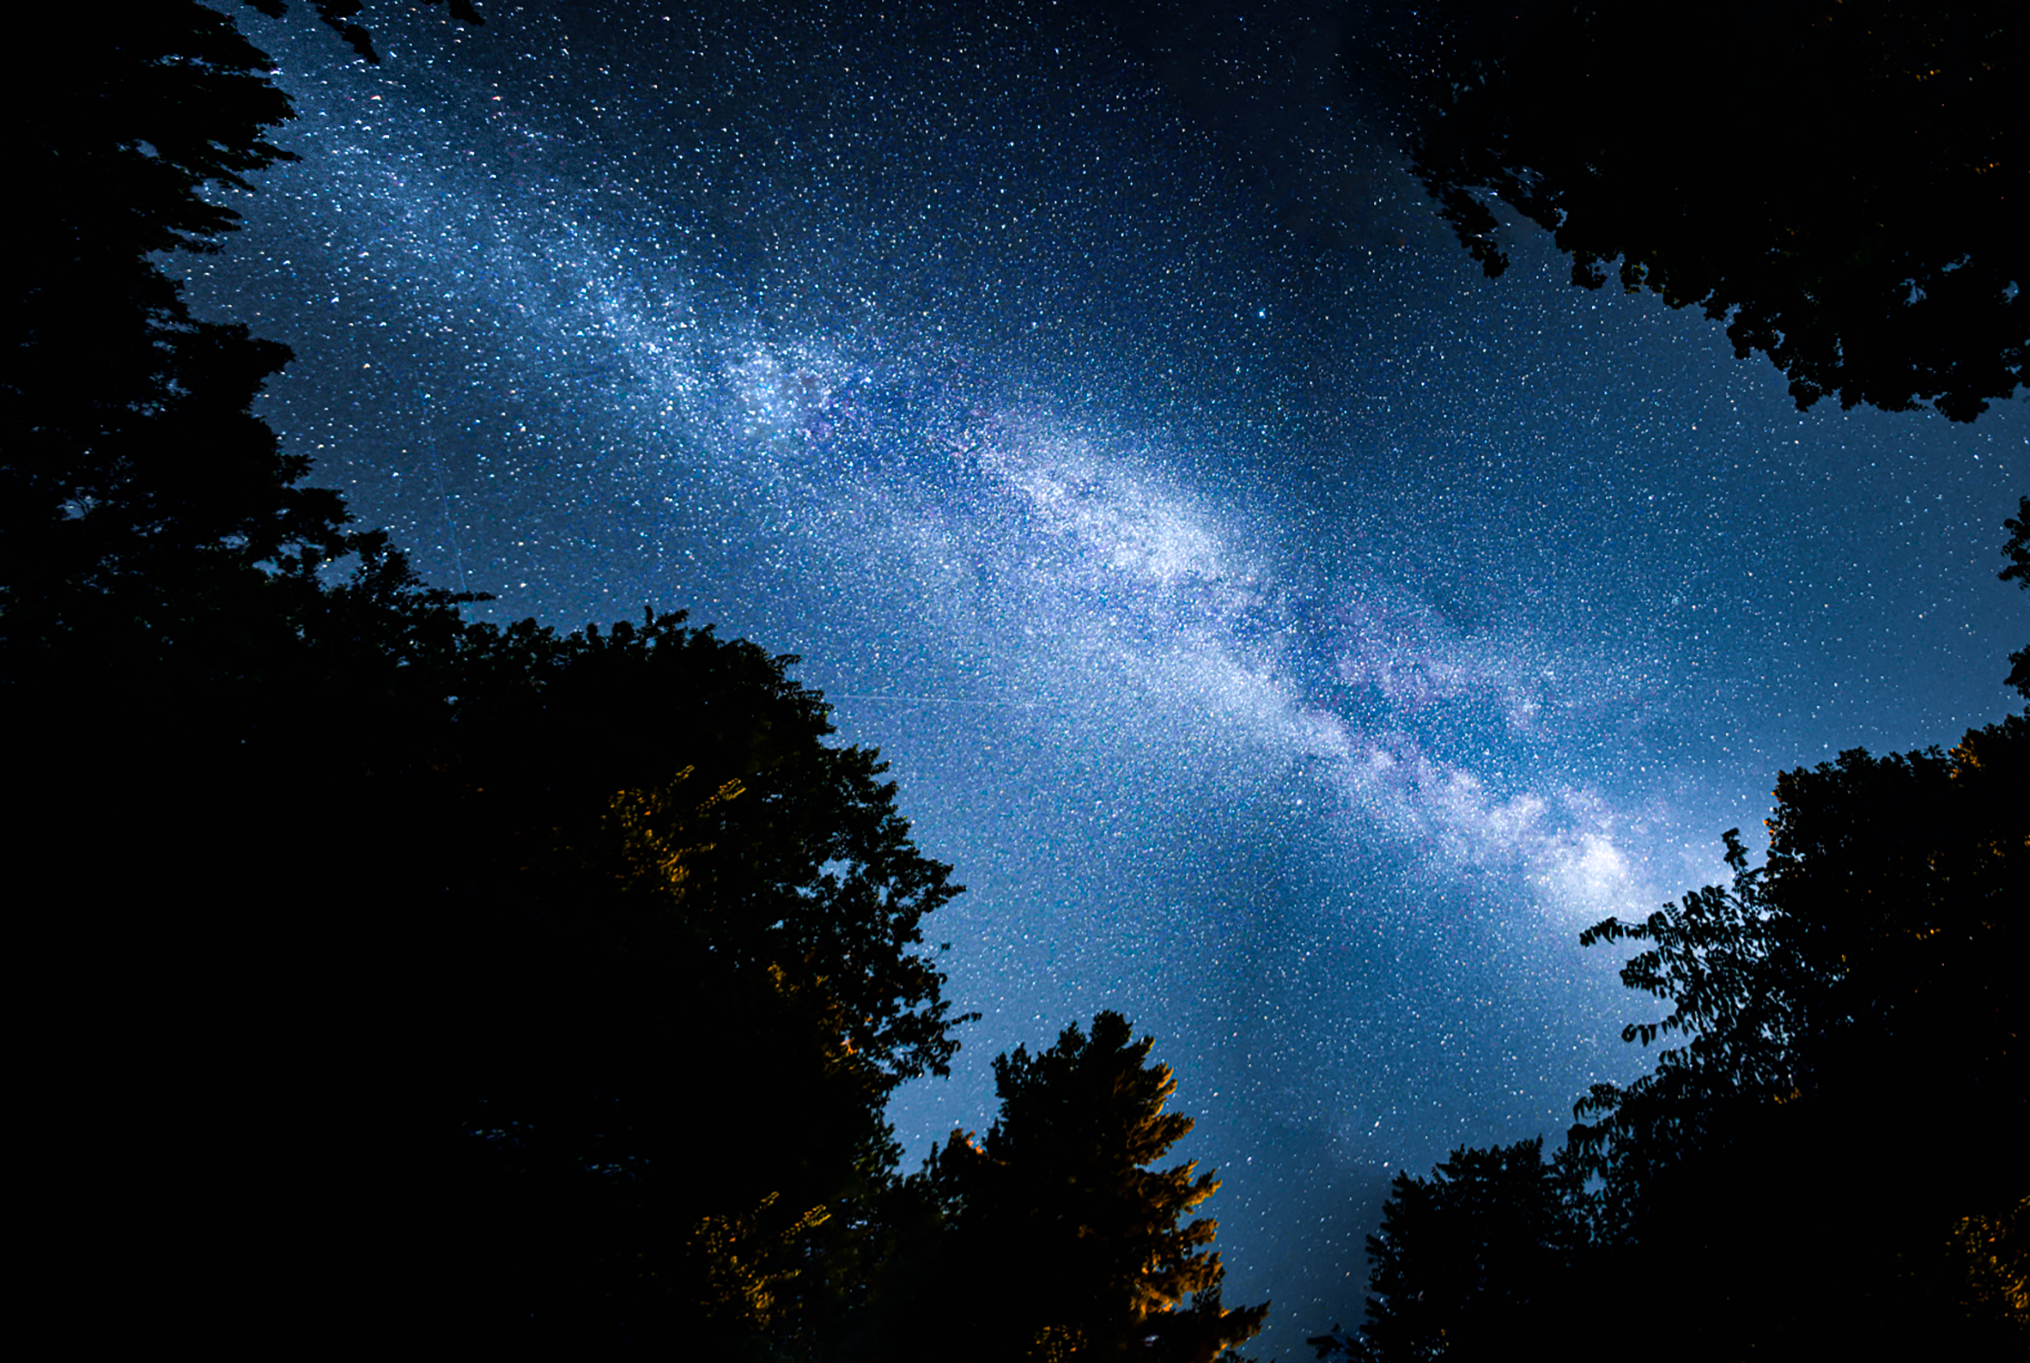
[(1843, 184), (1826, 1007)]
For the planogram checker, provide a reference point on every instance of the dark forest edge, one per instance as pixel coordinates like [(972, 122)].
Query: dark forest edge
[(532, 990), (1844, 183), (416, 964), (1769, 1185), (1828, 1162)]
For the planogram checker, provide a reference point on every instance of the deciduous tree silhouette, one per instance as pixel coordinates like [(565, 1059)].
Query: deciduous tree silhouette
[(1865, 974), (1826, 1007), (674, 1006), (1844, 183)]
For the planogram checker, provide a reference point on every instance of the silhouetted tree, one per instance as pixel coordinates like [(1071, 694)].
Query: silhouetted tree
[(679, 973), (1845, 183), (137, 489), (1827, 1007), (1715, 955), (1860, 981), (134, 480), (813, 871), (1061, 1242), (1471, 1261)]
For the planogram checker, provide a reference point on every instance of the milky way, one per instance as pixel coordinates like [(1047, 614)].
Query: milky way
[(1291, 637)]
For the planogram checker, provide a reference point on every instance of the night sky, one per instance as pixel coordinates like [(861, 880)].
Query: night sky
[(1292, 637)]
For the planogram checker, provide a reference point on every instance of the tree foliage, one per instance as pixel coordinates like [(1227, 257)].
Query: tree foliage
[(135, 481), (1827, 1009), (1059, 1239), (670, 973), (811, 868), (1715, 956), (1843, 182), (1875, 983), (579, 967), (1469, 1260), (131, 466), (1995, 1260)]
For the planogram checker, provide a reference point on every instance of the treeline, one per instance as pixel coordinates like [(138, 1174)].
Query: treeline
[(1843, 184)]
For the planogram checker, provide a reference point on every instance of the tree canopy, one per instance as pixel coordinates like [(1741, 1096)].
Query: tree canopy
[(130, 461), (1469, 1260), (1830, 1009), (579, 966), (676, 976), (1059, 1199), (132, 470), (1844, 183)]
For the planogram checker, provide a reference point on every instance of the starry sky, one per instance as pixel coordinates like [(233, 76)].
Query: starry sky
[(1292, 637)]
